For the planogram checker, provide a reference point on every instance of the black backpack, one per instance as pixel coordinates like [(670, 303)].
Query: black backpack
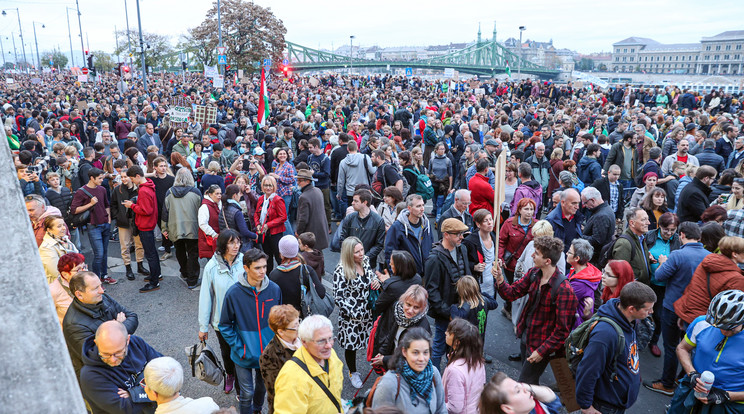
[(606, 253)]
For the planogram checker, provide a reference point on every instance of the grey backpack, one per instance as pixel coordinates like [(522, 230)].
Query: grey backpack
[(204, 364)]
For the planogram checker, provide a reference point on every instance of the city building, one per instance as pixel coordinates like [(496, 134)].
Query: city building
[(717, 55)]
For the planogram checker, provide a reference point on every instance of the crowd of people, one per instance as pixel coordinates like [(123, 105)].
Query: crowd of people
[(623, 218)]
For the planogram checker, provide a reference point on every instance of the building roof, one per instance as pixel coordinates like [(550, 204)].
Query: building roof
[(636, 41), (675, 47), (729, 35)]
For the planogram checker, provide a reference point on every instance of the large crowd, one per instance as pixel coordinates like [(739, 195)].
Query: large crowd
[(622, 225)]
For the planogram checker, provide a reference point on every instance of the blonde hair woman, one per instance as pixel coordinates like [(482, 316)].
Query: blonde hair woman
[(353, 281)]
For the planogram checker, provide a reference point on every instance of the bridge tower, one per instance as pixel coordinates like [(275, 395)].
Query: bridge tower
[(494, 52)]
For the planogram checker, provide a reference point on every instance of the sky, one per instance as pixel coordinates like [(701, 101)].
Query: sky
[(583, 25)]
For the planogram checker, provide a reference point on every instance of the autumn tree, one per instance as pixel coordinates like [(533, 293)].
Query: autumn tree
[(250, 33), (59, 59), (103, 61), (158, 49)]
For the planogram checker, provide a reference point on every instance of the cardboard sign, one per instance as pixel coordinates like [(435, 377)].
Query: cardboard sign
[(205, 114), (449, 73), (35, 81), (81, 105), (480, 91), (9, 80), (179, 113), (398, 89), (219, 81), (210, 71), (566, 383), (240, 73), (314, 82), (82, 78)]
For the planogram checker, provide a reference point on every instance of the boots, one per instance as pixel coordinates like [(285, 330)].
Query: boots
[(141, 269), (130, 274)]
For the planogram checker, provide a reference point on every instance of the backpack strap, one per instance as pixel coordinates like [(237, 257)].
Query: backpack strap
[(710, 294), (620, 343), (630, 241), (320, 383)]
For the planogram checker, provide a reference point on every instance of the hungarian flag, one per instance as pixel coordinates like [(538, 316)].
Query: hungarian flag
[(508, 70), (263, 103)]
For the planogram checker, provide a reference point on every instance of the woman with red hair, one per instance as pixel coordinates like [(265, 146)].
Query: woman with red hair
[(68, 265), (615, 275)]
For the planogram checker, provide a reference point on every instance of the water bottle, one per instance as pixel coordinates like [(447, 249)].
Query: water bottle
[(707, 378)]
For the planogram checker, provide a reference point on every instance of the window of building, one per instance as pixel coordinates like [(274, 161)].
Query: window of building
[(716, 57), (657, 58), (617, 51), (728, 47), (663, 59), (707, 47), (632, 50), (624, 59), (725, 57), (738, 47), (736, 57), (617, 58), (718, 47), (676, 58), (625, 50), (683, 58), (632, 58)]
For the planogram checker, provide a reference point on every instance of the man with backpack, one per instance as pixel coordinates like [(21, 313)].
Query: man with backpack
[(607, 373), (386, 175), (549, 312), (630, 248)]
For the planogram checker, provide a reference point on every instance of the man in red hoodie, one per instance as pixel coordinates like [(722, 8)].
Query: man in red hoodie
[(146, 217)]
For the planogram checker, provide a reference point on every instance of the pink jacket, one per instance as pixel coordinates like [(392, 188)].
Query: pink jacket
[(462, 388)]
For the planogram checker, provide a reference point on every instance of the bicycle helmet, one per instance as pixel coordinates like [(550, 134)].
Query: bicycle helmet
[(726, 310)]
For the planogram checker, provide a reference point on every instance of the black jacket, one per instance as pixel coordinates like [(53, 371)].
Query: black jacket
[(60, 200), (337, 156), (82, 320), (289, 283), (599, 228), (118, 211), (453, 213), (441, 274), (650, 239), (370, 230), (391, 291), (603, 185), (709, 157), (473, 245), (693, 200), (387, 328)]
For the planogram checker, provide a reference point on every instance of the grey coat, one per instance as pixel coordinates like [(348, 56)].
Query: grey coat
[(388, 387), (181, 213), (311, 215)]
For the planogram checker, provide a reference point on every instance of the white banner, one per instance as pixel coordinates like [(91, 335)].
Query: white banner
[(590, 79), (219, 81), (449, 73), (82, 78), (210, 71), (179, 114)]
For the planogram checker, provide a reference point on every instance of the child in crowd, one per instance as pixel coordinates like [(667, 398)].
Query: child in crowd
[(313, 257), (474, 305)]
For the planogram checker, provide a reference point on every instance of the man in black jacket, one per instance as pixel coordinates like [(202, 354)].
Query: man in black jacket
[(600, 226), (337, 155), (366, 225), (694, 197), (89, 309), (447, 263), (612, 190)]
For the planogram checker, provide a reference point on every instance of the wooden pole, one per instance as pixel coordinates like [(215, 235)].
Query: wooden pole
[(499, 194)]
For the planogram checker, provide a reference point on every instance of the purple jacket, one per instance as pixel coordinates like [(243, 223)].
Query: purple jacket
[(530, 189), (584, 284)]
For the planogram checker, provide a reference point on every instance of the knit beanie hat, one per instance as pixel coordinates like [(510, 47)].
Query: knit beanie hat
[(288, 247)]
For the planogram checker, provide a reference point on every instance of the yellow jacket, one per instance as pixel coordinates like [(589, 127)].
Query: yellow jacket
[(297, 393)]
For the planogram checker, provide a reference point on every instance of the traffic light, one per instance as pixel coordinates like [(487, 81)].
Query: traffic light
[(90, 60), (86, 52), (183, 65), (285, 70), (93, 71), (125, 69)]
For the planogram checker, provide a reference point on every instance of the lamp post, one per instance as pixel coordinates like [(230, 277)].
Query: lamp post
[(129, 41), (69, 34), (351, 54), (15, 51), (142, 48), (21, 31), (80, 26), (519, 67), (38, 59), (2, 51)]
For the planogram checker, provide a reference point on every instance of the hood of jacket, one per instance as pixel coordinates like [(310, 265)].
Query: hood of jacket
[(264, 283), (611, 309), (313, 257), (717, 263), (586, 161), (95, 311), (403, 218), (533, 185), (147, 184), (355, 159), (590, 273), (180, 192)]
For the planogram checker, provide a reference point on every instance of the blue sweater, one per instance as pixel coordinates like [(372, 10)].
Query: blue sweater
[(400, 236), (244, 322), (678, 269), (593, 373), (100, 382), (321, 164)]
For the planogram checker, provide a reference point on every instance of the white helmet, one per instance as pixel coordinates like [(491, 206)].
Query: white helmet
[(726, 310)]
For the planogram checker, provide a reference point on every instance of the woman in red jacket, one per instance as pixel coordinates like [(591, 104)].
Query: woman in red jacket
[(208, 217), (513, 238), (269, 217)]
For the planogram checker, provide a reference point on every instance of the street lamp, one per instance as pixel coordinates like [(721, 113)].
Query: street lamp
[(21, 30), (69, 33), (351, 53), (519, 67), (38, 59)]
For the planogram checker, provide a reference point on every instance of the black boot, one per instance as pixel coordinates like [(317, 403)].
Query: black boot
[(141, 269), (130, 274)]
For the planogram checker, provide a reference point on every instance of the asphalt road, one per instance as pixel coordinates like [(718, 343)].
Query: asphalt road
[(168, 322)]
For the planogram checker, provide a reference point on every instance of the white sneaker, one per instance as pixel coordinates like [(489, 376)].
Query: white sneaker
[(356, 380)]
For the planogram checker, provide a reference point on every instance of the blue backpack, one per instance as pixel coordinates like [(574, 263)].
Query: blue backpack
[(424, 188)]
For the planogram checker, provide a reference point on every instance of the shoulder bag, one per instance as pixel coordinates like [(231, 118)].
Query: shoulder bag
[(80, 219), (322, 386), (312, 304)]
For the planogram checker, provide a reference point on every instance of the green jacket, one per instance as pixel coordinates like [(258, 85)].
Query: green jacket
[(181, 213), (622, 251)]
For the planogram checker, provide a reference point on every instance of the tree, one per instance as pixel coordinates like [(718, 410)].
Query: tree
[(103, 61), (158, 50), (250, 33), (586, 64), (59, 60)]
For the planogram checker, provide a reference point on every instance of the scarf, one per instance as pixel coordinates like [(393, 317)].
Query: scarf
[(265, 207), (421, 383), (289, 264), (65, 287), (293, 346), (64, 241), (402, 320)]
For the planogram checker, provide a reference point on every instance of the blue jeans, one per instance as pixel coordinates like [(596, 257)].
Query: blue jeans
[(287, 201), (99, 239), (250, 401), (672, 335), (151, 254), (440, 343), (438, 206), (334, 203)]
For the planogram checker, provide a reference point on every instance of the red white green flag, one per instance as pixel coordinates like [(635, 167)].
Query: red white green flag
[(263, 102)]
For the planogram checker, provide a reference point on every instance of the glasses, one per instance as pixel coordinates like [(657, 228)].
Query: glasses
[(324, 342), (119, 355)]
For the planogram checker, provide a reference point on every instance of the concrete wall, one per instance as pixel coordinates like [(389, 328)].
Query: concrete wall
[(36, 374)]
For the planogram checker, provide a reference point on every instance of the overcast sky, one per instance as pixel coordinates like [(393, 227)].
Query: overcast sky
[(582, 25)]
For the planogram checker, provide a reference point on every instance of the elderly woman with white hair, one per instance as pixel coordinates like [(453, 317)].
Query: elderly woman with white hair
[(181, 218), (163, 382), (584, 278), (312, 380)]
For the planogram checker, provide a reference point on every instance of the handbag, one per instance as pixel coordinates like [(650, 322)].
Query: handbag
[(311, 302), (80, 219), (204, 364)]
